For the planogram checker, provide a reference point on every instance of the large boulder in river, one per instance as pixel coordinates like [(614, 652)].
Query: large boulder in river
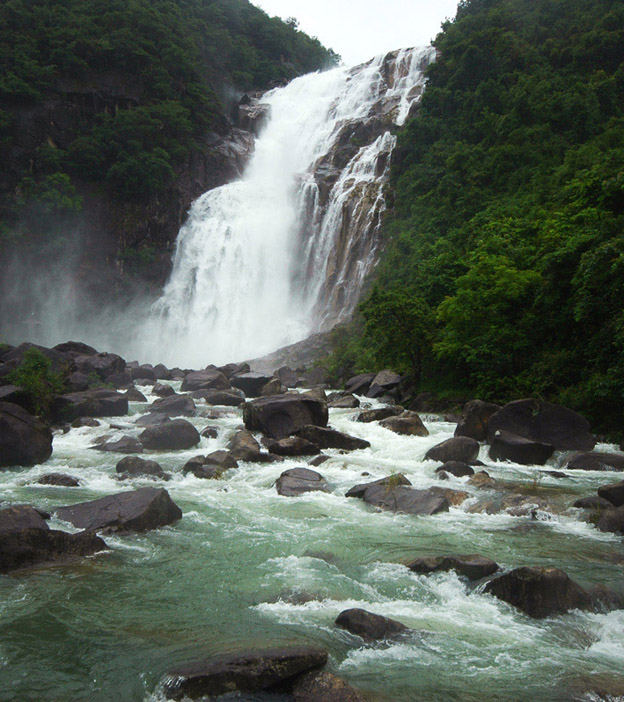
[(24, 439), (545, 423), (321, 686), (244, 447), (138, 510), (369, 626), (614, 492), (612, 520), (226, 398), (472, 566), (26, 540), (251, 383), (298, 481), (175, 435), (126, 444), (458, 448), (401, 498), (511, 447), (360, 384), (133, 465), (205, 380), (388, 482), (539, 592), (475, 418), (383, 384), (376, 415), (325, 438), (100, 364), (408, 423), (250, 671), (457, 468), (174, 406), (99, 402), (279, 416), (595, 460)]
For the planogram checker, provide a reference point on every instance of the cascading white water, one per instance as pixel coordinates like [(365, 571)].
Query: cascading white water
[(283, 252)]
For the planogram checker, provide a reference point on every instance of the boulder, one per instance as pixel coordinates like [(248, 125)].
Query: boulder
[(482, 479), (474, 419), (293, 446), (456, 468), (205, 380), (282, 415), (163, 390), (287, 377), (211, 466), (75, 348), (459, 448), (15, 395), (100, 364), (345, 402), (138, 510), (99, 402), (77, 382), (226, 398), (383, 384), (594, 460), (299, 480), (376, 415), (209, 433), (511, 447), (472, 566), (322, 686), (59, 479), (143, 372), (250, 671), (85, 422), (613, 492), (162, 372), (24, 439), (318, 460), (544, 423), (539, 592), (174, 406), (360, 384), (251, 383), (407, 423), (135, 395), (151, 419), (388, 481), (127, 444), (325, 438), (133, 465), (612, 520), (231, 369), (19, 518), (369, 626), (61, 362), (244, 447), (593, 502), (175, 435), (120, 380), (401, 498), (453, 497)]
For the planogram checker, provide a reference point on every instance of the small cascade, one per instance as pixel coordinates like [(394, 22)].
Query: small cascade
[(284, 252)]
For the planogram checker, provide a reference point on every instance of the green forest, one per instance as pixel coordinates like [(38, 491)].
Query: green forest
[(503, 274), (168, 66)]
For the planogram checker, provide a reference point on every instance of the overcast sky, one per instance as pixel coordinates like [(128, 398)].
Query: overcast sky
[(361, 29)]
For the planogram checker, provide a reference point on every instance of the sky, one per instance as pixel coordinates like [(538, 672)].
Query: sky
[(361, 29)]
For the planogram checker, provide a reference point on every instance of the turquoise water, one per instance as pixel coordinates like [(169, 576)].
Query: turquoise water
[(246, 567)]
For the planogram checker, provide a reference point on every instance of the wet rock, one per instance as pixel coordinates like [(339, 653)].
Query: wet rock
[(163, 390), (78, 382), (474, 419), (300, 480), (325, 438), (539, 592), (612, 520), (273, 387), (454, 497), (205, 380), (174, 435), (360, 384), (369, 626), (174, 406), (226, 398), (244, 447), (151, 419), (133, 465), (15, 395), (211, 466), (99, 402), (472, 566), (318, 460), (138, 510), (162, 372), (120, 381), (59, 479), (376, 415), (75, 348), (231, 369), (210, 433), (282, 415), (250, 671), (127, 444), (594, 460), (388, 482), (482, 479), (459, 448), (605, 599), (322, 686), (346, 402), (24, 439), (614, 493), (593, 502), (407, 423), (251, 383), (511, 447), (383, 384), (101, 364), (135, 395), (149, 382), (143, 372), (19, 518), (544, 423), (293, 446), (456, 468), (405, 499), (287, 377)]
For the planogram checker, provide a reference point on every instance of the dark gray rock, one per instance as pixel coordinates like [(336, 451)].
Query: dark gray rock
[(19, 518), (251, 383), (205, 380), (595, 460), (59, 479), (282, 415), (369, 626), (135, 395), (99, 402), (318, 460), (287, 377), (544, 423), (472, 566), (133, 465), (24, 439), (459, 448), (383, 383), (408, 423), (174, 435), (163, 390), (244, 447), (322, 686), (456, 468), (345, 402), (100, 364), (152, 419), (250, 671), (593, 502), (85, 422), (209, 433), (211, 466), (162, 372), (75, 348), (293, 446), (300, 480), (407, 500), (77, 382), (325, 438), (511, 447), (360, 384), (225, 398), (231, 369), (612, 520), (119, 380), (138, 510), (613, 492), (143, 372), (127, 444), (273, 387), (539, 592), (376, 415), (388, 482), (474, 419), (174, 406)]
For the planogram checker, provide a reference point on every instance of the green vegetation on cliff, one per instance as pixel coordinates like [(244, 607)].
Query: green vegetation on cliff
[(132, 85), (508, 213)]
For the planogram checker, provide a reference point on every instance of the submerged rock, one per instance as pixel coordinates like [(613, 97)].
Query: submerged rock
[(322, 686), (472, 566), (249, 671), (300, 480), (59, 479), (369, 626), (127, 444), (133, 465), (24, 439)]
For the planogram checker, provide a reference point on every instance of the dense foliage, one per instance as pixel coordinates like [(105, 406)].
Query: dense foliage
[(40, 383), (148, 77), (508, 216)]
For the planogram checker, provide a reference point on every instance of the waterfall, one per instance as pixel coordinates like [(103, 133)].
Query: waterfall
[(283, 252)]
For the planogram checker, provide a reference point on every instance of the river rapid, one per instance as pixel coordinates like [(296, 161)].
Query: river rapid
[(248, 568)]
